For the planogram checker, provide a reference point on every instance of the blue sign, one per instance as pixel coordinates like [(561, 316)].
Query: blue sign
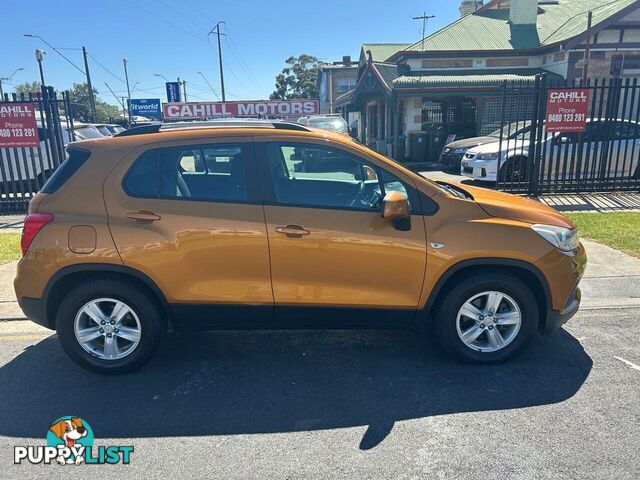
[(173, 92), (145, 107)]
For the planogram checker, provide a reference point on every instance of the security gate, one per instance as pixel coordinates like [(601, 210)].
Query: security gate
[(602, 156), (23, 170)]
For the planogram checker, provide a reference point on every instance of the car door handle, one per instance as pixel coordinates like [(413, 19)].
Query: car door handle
[(293, 231), (143, 216)]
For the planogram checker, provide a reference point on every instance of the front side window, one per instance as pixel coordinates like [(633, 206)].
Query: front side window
[(316, 176), (209, 173)]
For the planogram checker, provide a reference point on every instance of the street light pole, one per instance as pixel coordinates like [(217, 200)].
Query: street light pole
[(39, 57), (92, 100), (85, 72), (184, 90), (217, 30), (6, 79), (126, 77)]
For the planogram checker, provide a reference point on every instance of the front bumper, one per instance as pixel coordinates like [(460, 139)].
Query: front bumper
[(478, 170), (556, 319)]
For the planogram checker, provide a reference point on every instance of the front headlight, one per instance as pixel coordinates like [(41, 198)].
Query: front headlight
[(563, 239), (459, 150), (488, 156)]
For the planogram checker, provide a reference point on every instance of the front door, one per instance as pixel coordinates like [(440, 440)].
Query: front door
[(188, 217), (330, 249)]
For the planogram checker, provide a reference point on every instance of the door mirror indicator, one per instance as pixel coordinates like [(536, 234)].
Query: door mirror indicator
[(395, 208)]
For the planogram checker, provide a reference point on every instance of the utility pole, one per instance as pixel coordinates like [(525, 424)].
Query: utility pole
[(217, 30), (9, 78), (184, 88), (587, 50), (424, 17), (39, 57), (126, 77), (92, 100)]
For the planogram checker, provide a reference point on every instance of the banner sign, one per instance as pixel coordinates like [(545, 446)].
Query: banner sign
[(18, 126), (260, 108), (146, 107), (567, 110), (173, 92)]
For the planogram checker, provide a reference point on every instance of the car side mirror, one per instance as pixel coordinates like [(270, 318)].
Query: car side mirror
[(395, 208)]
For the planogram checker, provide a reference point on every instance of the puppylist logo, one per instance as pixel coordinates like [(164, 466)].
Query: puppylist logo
[(70, 442)]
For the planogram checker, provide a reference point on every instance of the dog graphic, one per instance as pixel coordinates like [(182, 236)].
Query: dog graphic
[(69, 431)]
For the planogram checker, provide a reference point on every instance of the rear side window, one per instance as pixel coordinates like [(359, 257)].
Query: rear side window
[(75, 159), (201, 173)]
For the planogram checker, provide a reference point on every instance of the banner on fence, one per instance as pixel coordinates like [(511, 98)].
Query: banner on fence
[(18, 126), (567, 110)]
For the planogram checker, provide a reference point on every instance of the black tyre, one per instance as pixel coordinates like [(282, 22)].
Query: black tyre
[(515, 170), (109, 326), (487, 318)]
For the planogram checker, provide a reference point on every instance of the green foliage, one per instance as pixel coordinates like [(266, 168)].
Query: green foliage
[(298, 79), (79, 95), (26, 88)]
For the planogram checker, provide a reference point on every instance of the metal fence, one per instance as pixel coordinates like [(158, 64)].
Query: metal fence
[(24, 170), (605, 157)]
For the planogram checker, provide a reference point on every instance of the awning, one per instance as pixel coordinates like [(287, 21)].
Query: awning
[(466, 79)]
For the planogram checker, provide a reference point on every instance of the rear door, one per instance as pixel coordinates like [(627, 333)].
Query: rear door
[(188, 215), (330, 248)]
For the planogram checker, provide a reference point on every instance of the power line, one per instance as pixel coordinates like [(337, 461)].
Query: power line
[(180, 14), (200, 12), (106, 69), (149, 12), (236, 54)]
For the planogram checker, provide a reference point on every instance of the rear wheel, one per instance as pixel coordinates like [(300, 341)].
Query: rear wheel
[(109, 326), (487, 318)]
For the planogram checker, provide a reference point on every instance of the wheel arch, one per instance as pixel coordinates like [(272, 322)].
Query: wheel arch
[(69, 277), (525, 271)]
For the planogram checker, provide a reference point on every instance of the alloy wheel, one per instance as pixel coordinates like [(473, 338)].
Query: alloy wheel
[(107, 328), (489, 321)]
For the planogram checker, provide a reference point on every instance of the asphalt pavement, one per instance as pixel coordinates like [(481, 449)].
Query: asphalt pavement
[(371, 404)]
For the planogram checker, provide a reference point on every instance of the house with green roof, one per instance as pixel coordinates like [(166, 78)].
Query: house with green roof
[(451, 81)]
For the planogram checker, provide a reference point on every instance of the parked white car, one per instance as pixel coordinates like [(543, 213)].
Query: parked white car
[(602, 140)]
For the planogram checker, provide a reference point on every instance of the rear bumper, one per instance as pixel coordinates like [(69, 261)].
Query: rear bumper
[(35, 309)]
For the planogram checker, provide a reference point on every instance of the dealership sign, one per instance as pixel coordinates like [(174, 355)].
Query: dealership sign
[(18, 125), (567, 110), (146, 107), (200, 110), (173, 92)]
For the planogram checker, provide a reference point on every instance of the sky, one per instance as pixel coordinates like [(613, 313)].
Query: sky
[(169, 37)]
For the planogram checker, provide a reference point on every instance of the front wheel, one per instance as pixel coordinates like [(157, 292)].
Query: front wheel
[(515, 170), (108, 326), (487, 318)]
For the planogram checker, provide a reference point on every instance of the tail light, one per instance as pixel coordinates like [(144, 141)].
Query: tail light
[(32, 225)]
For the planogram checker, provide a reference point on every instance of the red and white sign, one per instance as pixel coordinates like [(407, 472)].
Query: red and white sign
[(261, 108), (18, 125), (567, 110)]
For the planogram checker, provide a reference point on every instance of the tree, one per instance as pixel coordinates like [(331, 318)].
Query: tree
[(298, 79), (79, 96), (26, 88)]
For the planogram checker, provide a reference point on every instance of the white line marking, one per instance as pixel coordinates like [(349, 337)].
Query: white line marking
[(631, 364)]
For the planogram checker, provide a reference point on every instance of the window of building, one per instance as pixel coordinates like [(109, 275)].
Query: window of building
[(344, 85)]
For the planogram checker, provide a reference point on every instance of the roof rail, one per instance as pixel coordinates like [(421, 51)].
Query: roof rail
[(223, 123)]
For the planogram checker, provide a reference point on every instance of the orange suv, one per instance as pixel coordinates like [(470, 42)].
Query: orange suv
[(261, 225)]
